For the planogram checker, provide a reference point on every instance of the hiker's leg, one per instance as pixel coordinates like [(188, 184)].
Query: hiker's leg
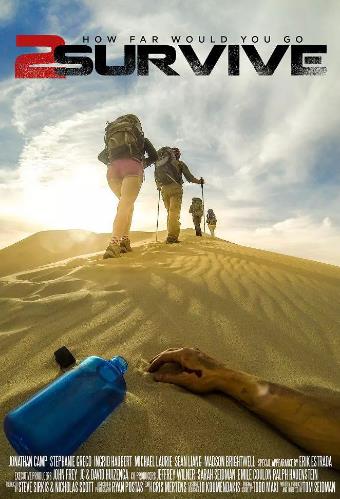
[(134, 188), (113, 249), (199, 226), (129, 191), (115, 185), (174, 213), (166, 201), (197, 223)]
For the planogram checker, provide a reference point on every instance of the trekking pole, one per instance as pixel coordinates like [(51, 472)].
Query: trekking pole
[(203, 204), (159, 199)]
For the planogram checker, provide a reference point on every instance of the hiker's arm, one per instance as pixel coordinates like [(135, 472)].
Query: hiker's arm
[(151, 152), (103, 157), (310, 422), (158, 185), (188, 175)]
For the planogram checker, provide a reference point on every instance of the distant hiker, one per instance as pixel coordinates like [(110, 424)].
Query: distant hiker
[(124, 155), (211, 221), (169, 171), (196, 209)]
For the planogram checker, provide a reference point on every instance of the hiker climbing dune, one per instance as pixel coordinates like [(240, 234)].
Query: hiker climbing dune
[(169, 172), (124, 155), (211, 221), (196, 209)]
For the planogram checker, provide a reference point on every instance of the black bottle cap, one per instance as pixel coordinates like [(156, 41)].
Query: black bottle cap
[(64, 358)]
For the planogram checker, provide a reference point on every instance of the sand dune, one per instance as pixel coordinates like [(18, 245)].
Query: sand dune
[(265, 313), (53, 246)]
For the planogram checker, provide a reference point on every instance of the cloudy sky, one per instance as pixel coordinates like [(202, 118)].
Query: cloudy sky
[(268, 147)]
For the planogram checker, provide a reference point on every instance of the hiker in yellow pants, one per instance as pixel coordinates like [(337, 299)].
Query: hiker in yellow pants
[(169, 172), (172, 195)]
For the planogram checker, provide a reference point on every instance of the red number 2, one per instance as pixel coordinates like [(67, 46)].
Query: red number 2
[(23, 63)]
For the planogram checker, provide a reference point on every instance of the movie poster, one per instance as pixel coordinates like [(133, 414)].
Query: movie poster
[(169, 249)]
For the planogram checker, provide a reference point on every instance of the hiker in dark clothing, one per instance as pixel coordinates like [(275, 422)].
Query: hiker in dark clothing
[(196, 209), (124, 155), (211, 221), (169, 172)]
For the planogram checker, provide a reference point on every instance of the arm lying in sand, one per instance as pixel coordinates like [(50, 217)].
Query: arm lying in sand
[(311, 423)]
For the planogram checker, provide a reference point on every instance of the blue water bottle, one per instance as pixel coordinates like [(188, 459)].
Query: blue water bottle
[(59, 418)]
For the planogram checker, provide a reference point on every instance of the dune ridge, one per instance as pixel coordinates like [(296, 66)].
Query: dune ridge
[(54, 245), (265, 313)]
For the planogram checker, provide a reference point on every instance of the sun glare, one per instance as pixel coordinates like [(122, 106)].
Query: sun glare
[(79, 199)]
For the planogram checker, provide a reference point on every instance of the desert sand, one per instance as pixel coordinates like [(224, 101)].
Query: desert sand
[(264, 313)]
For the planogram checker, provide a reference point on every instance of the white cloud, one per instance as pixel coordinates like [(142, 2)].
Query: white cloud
[(8, 10), (301, 236)]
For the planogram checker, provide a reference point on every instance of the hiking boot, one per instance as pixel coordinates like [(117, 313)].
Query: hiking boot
[(112, 251), (125, 246), (172, 240)]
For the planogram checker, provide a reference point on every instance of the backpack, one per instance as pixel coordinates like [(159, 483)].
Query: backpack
[(167, 170), (123, 138), (211, 217), (197, 207)]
